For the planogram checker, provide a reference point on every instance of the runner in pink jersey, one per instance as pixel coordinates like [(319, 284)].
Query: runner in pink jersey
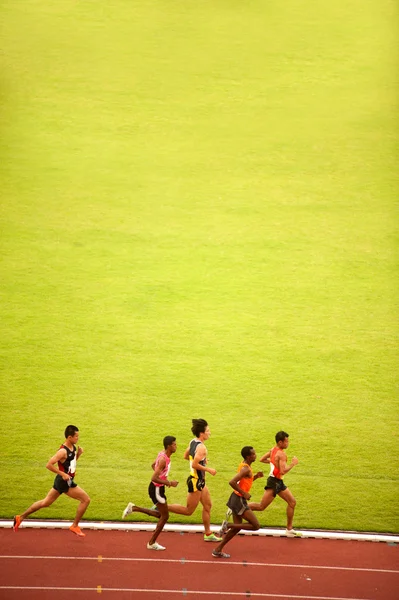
[(156, 491), (162, 461)]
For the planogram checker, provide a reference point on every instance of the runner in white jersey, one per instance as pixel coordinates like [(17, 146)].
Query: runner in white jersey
[(156, 491)]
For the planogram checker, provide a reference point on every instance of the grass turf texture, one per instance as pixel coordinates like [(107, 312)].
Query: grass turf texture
[(198, 219)]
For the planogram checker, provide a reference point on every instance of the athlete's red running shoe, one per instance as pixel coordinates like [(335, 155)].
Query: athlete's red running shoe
[(17, 522), (77, 531)]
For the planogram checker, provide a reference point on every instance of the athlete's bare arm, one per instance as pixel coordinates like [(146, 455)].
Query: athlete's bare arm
[(244, 472), (155, 476), (281, 462), (186, 454), (52, 464), (266, 457), (200, 454)]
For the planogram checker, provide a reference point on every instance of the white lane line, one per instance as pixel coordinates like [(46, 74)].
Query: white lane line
[(183, 592), (201, 562)]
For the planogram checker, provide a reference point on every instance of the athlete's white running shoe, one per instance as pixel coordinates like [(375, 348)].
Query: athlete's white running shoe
[(128, 510), (224, 527), (292, 533), (155, 546)]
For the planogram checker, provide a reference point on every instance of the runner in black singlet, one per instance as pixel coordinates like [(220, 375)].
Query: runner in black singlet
[(63, 464), (198, 491)]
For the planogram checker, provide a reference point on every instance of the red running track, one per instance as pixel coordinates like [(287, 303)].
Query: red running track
[(54, 564)]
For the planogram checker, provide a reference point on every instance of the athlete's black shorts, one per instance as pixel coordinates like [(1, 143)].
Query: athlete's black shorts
[(63, 486), (238, 504), (194, 484), (157, 493), (277, 485)]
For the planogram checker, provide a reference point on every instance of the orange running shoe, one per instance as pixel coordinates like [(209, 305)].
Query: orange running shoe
[(17, 522), (77, 531)]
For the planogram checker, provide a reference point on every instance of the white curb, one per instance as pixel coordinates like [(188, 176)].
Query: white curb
[(178, 527)]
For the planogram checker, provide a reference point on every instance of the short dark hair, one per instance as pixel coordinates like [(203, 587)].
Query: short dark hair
[(246, 451), (199, 426), (70, 431), (168, 441), (280, 436)]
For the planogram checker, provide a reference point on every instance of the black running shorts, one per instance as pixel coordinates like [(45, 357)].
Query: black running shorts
[(194, 484), (63, 486), (157, 493), (277, 485), (238, 504)]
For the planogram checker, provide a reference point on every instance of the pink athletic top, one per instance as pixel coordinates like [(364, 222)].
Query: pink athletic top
[(164, 474)]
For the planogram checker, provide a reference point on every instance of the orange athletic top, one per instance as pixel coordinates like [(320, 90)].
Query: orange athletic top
[(246, 482), (274, 471)]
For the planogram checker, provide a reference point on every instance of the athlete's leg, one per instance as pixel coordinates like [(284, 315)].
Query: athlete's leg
[(252, 525), (78, 494), (206, 509), (267, 499), (47, 501), (232, 531), (193, 499), (163, 515), (290, 500), (151, 512)]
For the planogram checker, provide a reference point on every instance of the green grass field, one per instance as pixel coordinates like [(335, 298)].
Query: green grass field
[(199, 219)]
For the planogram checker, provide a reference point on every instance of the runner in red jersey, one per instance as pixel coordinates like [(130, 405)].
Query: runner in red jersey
[(277, 459)]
